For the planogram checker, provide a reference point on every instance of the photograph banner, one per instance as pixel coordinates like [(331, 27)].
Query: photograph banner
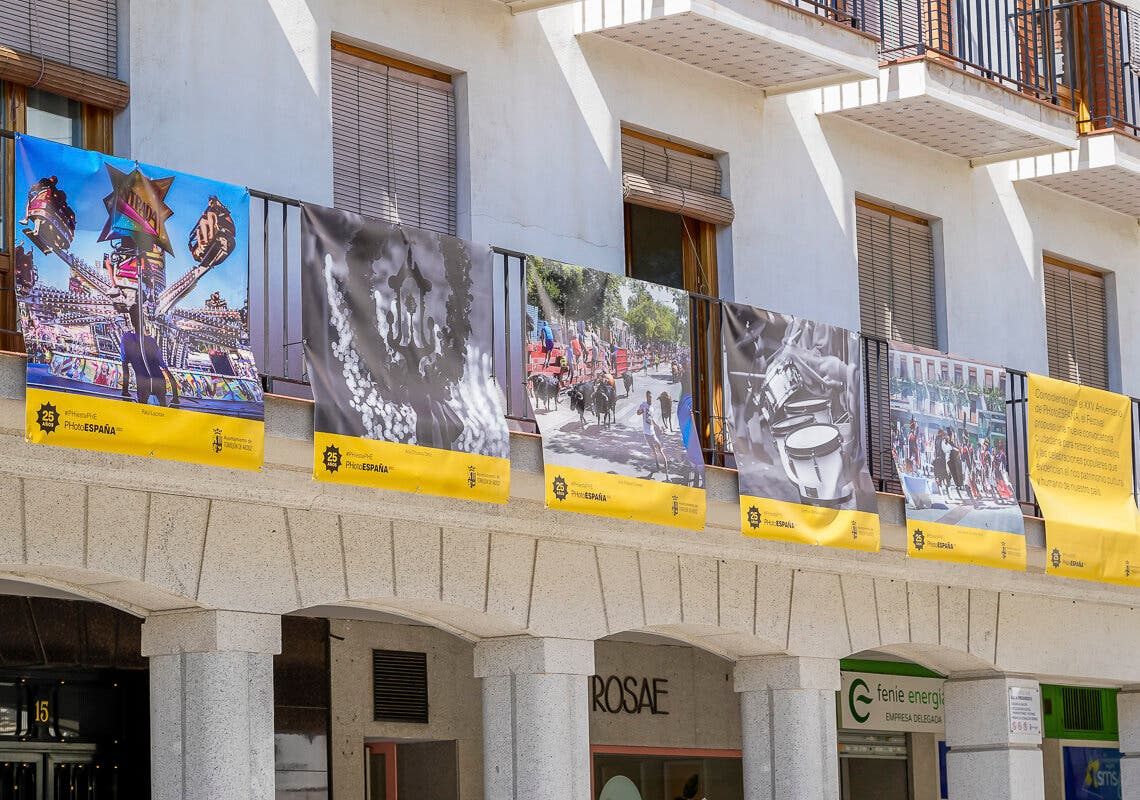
[(398, 341), (609, 363), (132, 285), (1080, 465), (948, 438), (796, 389)]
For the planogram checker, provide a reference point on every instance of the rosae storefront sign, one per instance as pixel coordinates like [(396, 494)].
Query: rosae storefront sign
[(873, 702)]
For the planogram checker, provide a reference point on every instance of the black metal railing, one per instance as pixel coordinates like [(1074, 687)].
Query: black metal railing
[(275, 308), (1076, 55)]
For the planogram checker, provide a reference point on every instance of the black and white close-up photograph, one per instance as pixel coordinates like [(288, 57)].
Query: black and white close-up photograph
[(795, 389), (397, 324)]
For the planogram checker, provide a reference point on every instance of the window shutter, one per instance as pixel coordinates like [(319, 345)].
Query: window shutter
[(79, 33), (1076, 324), (393, 144), (896, 277), (670, 180)]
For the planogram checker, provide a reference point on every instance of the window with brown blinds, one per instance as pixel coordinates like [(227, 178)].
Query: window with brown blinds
[(668, 177), (79, 33), (393, 140), (897, 294), (1076, 323)]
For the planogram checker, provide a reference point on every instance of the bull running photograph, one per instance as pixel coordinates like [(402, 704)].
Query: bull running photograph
[(608, 366)]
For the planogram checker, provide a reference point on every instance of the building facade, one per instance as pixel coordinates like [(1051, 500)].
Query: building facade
[(962, 177)]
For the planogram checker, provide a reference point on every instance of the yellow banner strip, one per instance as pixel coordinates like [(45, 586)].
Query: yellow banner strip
[(764, 518), (936, 541), (409, 468), (620, 497), (87, 422)]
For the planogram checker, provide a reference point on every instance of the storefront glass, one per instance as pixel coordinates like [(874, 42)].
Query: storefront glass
[(646, 774)]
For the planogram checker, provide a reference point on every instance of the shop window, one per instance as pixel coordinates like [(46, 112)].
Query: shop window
[(393, 126), (644, 773), (674, 204), (897, 289), (1076, 323)]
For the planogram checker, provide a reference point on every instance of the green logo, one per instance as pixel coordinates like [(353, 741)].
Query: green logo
[(858, 685)]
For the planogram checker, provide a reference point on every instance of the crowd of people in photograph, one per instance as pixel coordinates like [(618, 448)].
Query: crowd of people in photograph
[(965, 468)]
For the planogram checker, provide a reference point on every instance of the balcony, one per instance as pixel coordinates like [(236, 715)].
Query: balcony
[(275, 324), (768, 44), (1104, 89), (984, 81)]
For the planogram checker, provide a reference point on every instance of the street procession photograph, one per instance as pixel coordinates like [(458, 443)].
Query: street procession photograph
[(608, 373)]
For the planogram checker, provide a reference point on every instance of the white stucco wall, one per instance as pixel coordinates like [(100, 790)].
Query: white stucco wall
[(242, 92)]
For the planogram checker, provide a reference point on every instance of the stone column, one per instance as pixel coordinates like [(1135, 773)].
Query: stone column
[(211, 704), (787, 708), (1128, 717), (989, 759), (536, 727)]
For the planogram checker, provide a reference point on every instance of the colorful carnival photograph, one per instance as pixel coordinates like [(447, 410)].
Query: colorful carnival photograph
[(132, 282), (608, 366), (795, 387), (948, 437)]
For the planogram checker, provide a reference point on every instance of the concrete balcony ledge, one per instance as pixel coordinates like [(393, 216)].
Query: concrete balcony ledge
[(1105, 170), (954, 112), (771, 45)]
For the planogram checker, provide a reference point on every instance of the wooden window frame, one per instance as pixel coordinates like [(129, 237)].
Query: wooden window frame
[(935, 287), (97, 127), (1069, 266)]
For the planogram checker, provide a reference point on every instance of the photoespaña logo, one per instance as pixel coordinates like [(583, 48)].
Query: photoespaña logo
[(854, 529), (1055, 558), (331, 458), (560, 487), (47, 418), (858, 693), (753, 517), (217, 443), (1004, 552), (676, 508), (471, 475), (919, 539)]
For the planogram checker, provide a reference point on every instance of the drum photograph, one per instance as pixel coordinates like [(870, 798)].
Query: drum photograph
[(795, 388)]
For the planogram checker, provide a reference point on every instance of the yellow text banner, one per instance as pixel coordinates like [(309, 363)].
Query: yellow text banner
[(620, 497), (936, 541), (764, 518), (410, 468), (1080, 463), (136, 429)]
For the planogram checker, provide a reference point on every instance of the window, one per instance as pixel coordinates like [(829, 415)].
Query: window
[(78, 33), (896, 275), (673, 205), (666, 772), (1076, 324), (393, 139), (50, 116)]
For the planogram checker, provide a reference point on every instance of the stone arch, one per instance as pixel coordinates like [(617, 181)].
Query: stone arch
[(833, 615)]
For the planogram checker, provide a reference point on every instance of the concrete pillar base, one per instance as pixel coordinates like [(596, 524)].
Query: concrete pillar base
[(211, 704), (986, 760), (787, 708), (536, 728)]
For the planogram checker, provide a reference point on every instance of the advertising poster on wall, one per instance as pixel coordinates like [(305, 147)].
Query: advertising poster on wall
[(1092, 773), (132, 286), (796, 390), (948, 438), (1080, 464), (609, 378), (397, 325)]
